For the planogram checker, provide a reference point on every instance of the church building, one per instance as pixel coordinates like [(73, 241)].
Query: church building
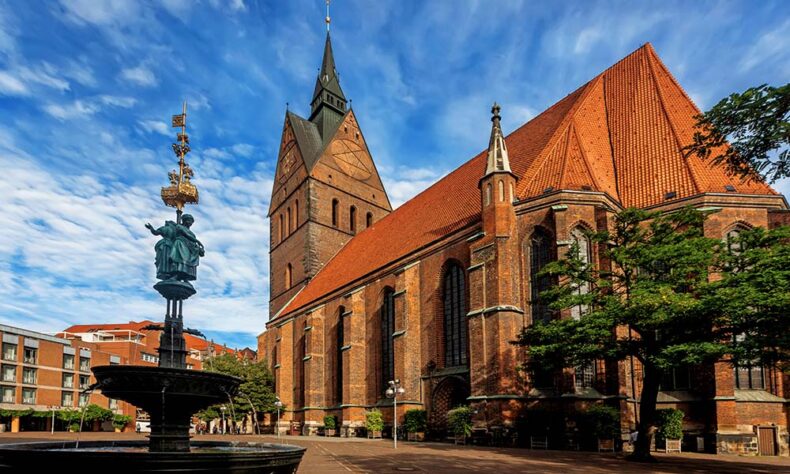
[(433, 292)]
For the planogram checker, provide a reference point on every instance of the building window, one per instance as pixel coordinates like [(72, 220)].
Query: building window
[(85, 381), (352, 218), (31, 355), (9, 395), (501, 190), (68, 361), (85, 364), (68, 380), (749, 377), (387, 328), (676, 378), (340, 337), (9, 373), (296, 214), (579, 238), (288, 276), (335, 204), (289, 220), (29, 396), (113, 404), (368, 219), (190, 367), (488, 194), (512, 193), (84, 399), (455, 327), (149, 357), (29, 375), (585, 375), (541, 253), (282, 227), (67, 399), (9, 351)]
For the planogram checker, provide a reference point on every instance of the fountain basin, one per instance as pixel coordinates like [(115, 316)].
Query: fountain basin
[(170, 396), (133, 456)]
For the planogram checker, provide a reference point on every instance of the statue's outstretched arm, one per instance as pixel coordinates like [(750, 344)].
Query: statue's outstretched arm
[(152, 229)]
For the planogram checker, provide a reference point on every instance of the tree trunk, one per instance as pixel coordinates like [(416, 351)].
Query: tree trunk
[(647, 413)]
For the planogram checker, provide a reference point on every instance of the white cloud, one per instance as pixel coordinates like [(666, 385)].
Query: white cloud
[(76, 109), (156, 126), (11, 85), (586, 39), (234, 5), (101, 12), (772, 46), (403, 183), (140, 75), (243, 149), (86, 107)]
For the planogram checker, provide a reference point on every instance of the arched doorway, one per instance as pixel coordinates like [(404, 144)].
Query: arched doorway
[(449, 393)]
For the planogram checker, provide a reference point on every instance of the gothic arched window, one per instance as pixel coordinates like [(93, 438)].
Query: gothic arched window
[(340, 340), (282, 228), (387, 328), (288, 276), (585, 254), (352, 217), (335, 203), (541, 253), (501, 186), (289, 220), (368, 219), (488, 194), (455, 327), (296, 214)]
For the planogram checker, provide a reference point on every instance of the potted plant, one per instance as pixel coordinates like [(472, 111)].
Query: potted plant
[(416, 422), (374, 424), (669, 424), (119, 422), (603, 422), (330, 424), (459, 420)]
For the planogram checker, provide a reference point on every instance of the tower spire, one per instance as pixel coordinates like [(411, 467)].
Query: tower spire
[(329, 102), (498, 160)]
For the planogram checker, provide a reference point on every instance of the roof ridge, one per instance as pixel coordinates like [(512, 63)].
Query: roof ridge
[(584, 157), (662, 100)]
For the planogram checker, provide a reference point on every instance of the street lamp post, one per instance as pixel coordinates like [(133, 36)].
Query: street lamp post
[(393, 392), (279, 405), (224, 426), (53, 407)]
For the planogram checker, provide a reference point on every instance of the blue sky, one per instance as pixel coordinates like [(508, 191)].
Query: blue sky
[(87, 88)]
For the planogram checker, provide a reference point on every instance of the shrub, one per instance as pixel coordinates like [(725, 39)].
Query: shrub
[(120, 421), (600, 421), (416, 420), (669, 422), (330, 422), (374, 421), (459, 420), (74, 427)]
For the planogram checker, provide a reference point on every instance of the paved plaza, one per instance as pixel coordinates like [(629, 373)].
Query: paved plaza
[(335, 455)]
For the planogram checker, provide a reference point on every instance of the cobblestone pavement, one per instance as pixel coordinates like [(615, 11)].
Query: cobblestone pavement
[(336, 455)]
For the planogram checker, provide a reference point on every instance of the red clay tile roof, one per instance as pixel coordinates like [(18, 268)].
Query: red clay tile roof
[(621, 133), (130, 326)]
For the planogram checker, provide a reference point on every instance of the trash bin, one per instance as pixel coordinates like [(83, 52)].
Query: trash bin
[(295, 428), (2, 428)]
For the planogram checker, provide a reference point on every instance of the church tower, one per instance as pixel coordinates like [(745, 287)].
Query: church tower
[(326, 187)]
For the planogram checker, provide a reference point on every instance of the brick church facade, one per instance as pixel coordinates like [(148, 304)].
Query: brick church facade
[(433, 293)]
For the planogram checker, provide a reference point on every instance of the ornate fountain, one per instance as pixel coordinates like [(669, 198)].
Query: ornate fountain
[(170, 393)]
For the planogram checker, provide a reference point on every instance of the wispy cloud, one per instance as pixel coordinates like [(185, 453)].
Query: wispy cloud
[(105, 12), (140, 75), (12, 85)]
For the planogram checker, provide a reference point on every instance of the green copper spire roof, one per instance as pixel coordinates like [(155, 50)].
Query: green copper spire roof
[(327, 93)]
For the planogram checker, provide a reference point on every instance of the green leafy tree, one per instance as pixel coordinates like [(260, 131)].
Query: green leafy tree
[(756, 126), (655, 302), (255, 393)]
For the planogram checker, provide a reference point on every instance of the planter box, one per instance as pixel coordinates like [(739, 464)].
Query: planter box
[(419, 436), (605, 445), (374, 434), (672, 446), (328, 432)]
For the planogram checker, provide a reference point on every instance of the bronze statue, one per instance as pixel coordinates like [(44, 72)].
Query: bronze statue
[(178, 252)]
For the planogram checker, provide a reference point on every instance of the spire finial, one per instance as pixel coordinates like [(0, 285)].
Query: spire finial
[(328, 18), (498, 160)]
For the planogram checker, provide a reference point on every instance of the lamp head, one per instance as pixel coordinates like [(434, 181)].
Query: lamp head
[(390, 392)]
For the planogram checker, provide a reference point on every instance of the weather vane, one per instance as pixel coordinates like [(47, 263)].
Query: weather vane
[(181, 190)]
